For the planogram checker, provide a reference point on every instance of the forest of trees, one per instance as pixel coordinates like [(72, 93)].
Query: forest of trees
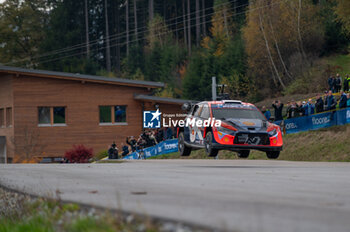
[(256, 47)]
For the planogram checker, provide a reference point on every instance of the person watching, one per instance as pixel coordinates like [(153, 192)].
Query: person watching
[(278, 106), (309, 108), (292, 110), (343, 100), (125, 149), (266, 113), (330, 83), (319, 104), (113, 151), (338, 81), (330, 101), (131, 141)]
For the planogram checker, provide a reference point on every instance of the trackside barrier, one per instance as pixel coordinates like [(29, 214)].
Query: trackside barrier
[(161, 148), (317, 121)]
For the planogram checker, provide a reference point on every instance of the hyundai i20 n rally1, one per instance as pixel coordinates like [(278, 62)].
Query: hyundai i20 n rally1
[(228, 125)]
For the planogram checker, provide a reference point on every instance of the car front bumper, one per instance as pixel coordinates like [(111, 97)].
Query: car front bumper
[(238, 147)]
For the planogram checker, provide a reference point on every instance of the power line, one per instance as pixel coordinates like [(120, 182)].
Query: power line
[(84, 52), (119, 36)]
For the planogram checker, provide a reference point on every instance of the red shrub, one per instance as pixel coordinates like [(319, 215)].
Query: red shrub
[(79, 154)]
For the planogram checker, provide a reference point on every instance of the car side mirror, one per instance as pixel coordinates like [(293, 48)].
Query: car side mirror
[(186, 107)]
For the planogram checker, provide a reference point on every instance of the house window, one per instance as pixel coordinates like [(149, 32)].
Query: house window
[(120, 114), (113, 115), (59, 115), (44, 115), (8, 117), (2, 118), (52, 116), (105, 114)]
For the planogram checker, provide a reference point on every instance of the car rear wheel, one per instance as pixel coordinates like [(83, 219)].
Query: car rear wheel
[(243, 154), (272, 154), (208, 143), (183, 149)]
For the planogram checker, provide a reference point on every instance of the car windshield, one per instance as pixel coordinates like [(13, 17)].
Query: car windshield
[(224, 113)]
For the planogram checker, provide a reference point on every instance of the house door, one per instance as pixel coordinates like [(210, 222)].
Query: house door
[(2, 149)]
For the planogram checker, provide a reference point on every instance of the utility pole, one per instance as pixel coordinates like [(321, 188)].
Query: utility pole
[(213, 88)]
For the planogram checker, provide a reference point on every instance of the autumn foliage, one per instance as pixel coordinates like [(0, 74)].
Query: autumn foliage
[(79, 154)]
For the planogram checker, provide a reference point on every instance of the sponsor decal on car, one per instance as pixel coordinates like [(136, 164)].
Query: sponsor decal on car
[(249, 123)]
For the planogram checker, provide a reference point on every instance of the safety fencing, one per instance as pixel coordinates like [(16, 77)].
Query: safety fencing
[(161, 148), (317, 121)]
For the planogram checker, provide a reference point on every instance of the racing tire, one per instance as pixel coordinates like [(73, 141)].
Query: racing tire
[(243, 154), (208, 143), (272, 154), (183, 149)]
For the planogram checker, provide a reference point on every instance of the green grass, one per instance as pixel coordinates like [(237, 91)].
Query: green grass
[(331, 144), (41, 215), (343, 61), (100, 155)]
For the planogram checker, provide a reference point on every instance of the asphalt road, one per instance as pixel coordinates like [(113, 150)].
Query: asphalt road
[(235, 195)]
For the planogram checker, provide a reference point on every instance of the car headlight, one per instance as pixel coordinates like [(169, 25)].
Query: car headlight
[(272, 133)]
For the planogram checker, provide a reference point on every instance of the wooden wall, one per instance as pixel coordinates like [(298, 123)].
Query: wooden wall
[(6, 100), (82, 101)]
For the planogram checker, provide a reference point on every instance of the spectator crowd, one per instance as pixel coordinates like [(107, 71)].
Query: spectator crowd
[(147, 138), (326, 102)]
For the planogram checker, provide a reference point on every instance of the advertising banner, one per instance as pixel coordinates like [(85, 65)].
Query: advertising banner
[(317, 121), (161, 148), (324, 120), (295, 125), (343, 116)]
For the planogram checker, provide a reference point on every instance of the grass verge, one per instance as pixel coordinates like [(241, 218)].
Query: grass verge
[(23, 213), (331, 144)]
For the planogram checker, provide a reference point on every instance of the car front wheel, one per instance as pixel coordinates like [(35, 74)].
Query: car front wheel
[(183, 149), (208, 142), (272, 154)]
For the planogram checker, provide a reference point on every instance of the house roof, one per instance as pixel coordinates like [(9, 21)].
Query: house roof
[(79, 77), (149, 98)]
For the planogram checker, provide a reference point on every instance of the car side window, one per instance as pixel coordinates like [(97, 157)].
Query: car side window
[(205, 112), (194, 109), (197, 110)]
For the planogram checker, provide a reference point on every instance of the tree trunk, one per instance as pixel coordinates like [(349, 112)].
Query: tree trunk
[(184, 20), (198, 26), (127, 25), (164, 9), (225, 21), (278, 51), (150, 10), (189, 26), (269, 53), (108, 52), (176, 31), (135, 18), (87, 30), (299, 32), (204, 23)]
